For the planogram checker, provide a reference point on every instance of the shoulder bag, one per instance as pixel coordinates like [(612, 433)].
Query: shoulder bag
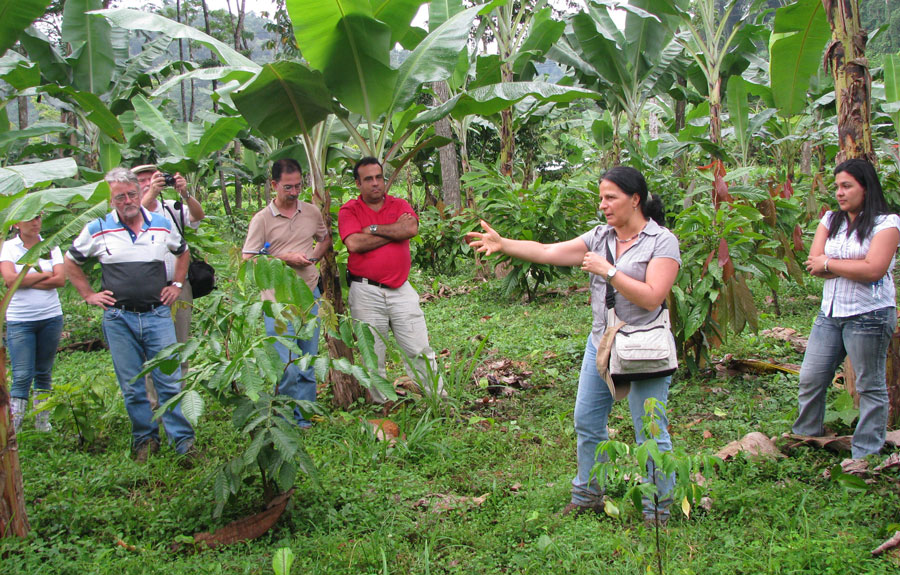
[(634, 352), (201, 275)]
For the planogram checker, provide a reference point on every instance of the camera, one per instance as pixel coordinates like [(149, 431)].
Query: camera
[(170, 180)]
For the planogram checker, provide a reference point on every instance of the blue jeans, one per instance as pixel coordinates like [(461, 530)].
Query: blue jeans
[(865, 338), (592, 406), (297, 383), (133, 338), (32, 351)]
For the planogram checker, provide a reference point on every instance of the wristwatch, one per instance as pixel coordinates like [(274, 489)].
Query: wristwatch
[(373, 229), (610, 273), (179, 285)]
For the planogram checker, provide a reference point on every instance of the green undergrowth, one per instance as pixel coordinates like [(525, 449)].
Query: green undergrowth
[(473, 489)]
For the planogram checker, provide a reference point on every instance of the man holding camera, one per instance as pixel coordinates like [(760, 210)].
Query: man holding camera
[(184, 212)]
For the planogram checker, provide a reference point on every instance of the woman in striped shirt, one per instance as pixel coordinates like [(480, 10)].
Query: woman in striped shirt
[(853, 250)]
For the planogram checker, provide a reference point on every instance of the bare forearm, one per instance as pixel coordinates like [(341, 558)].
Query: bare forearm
[(322, 248), (361, 243), (194, 208), (181, 266), (398, 231), (78, 279), (855, 270)]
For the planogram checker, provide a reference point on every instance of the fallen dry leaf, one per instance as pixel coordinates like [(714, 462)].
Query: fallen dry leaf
[(246, 528), (515, 487), (893, 438), (792, 336), (754, 443), (892, 461), (707, 434), (836, 443), (858, 467), (440, 502), (889, 544), (386, 430)]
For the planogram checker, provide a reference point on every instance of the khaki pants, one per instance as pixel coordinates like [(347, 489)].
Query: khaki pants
[(396, 310), (181, 314)]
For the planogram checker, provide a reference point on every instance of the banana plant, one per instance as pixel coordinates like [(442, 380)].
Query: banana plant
[(16, 205), (630, 65)]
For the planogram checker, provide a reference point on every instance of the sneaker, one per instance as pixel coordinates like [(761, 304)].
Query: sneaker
[(143, 451)]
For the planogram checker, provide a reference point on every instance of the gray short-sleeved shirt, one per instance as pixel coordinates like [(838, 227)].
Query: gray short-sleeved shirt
[(654, 241)]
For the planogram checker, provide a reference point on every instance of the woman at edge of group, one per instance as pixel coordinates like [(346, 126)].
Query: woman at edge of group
[(853, 249), (34, 320), (646, 262)]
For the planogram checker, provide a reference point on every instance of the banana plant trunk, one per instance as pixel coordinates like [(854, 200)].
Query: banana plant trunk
[(345, 389), (846, 57), (13, 519)]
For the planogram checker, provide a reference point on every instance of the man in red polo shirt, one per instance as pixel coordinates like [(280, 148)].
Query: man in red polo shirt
[(376, 229)]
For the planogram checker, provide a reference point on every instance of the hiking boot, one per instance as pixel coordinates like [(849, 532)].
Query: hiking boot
[(17, 407), (41, 418), (143, 451)]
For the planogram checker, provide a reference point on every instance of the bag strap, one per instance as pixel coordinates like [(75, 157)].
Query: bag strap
[(610, 290), (180, 229)]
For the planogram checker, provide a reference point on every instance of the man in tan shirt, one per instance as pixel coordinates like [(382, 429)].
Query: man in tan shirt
[(296, 234)]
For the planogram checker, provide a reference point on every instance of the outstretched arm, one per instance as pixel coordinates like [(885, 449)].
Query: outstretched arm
[(568, 253)]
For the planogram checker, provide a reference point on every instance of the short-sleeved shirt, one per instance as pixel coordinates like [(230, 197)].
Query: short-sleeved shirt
[(297, 233), (31, 304), (654, 241), (388, 264), (184, 215), (842, 297), (133, 265)]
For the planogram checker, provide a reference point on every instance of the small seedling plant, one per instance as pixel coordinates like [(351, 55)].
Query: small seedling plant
[(619, 462)]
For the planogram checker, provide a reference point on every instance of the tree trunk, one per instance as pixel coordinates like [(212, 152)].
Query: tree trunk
[(241, 7), (507, 134), (13, 518), (215, 84), (184, 116), (225, 203), (715, 112), (680, 105), (344, 387), (238, 185), (22, 102), (846, 56), (449, 161)]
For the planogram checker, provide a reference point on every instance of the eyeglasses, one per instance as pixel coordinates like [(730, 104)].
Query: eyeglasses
[(133, 196), (291, 187)]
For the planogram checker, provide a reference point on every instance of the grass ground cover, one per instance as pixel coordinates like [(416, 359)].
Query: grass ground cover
[(476, 488)]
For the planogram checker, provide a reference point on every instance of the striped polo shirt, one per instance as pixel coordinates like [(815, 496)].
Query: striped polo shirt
[(842, 297), (133, 265)]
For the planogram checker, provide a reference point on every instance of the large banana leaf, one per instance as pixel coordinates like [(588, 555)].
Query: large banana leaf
[(151, 120), (18, 72), (284, 100), (34, 130), (798, 39), (16, 16), (220, 74), (351, 48), (137, 20), (397, 14), (93, 106), (41, 51), (738, 109), (434, 59), (316, 23), (544, 33), (216, 137), (439, 11), (489, 100), (91, 42), (14, 179)]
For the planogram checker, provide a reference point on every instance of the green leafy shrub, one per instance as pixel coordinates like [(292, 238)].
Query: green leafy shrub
[(546, 212)]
